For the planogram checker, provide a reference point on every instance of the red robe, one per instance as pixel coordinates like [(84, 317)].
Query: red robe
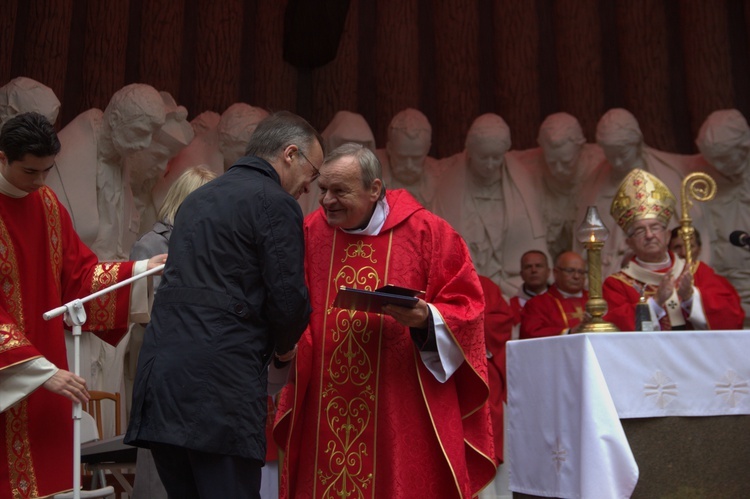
[(362, 416), (551, 314), (721, 303), (43, 264), (498, 327)]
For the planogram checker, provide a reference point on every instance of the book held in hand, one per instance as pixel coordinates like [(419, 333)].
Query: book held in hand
[(373, 301)]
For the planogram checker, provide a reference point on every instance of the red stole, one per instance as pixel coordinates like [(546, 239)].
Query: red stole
[(43, 264)]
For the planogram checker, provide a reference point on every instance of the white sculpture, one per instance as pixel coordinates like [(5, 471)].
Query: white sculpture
[(23, 95), (724, 141), (491, 197), (405, 160), (620, 137), (568, 161), (110, 159), (344, 127), (202, 150), (236, 126)]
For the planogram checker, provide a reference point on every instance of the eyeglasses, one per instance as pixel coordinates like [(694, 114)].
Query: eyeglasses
[(316, 172), (570, 271), (640, 232)]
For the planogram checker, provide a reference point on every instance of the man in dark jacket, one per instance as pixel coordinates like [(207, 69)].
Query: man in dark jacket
[(232, 299)]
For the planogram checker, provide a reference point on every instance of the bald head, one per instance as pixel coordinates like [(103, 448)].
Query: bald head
[(570, 272)]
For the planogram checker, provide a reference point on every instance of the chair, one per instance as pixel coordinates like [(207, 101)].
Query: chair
[(94, 407)]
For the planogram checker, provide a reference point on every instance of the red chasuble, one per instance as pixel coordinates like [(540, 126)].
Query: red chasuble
[(43, 264), (721, 303), (550, 314), (498, 328), (362, 416)]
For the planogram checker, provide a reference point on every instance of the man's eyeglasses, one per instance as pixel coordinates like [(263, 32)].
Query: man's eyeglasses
[(570, 271), (316, 172), (640, 232)]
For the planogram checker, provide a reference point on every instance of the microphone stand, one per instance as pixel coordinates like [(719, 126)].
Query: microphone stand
[(75, 316)]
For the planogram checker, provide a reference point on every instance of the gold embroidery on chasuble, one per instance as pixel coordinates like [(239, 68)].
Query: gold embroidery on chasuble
[(54, 233), (103, 308), (345, 455), (20, 467)]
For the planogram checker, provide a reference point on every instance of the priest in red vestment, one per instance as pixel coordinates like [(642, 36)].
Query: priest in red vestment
[(677, 298), (562, 308), (43, 265), (393, 404)]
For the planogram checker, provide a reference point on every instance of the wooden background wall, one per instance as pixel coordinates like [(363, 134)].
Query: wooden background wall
[(670, 62)]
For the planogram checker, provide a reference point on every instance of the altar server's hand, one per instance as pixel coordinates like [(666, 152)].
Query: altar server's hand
[(410, 317), (68, 385), (155, 261)]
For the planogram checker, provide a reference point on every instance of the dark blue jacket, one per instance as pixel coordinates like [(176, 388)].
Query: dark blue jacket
[(233, 290)]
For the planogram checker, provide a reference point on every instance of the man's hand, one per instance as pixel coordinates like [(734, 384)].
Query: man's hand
[(684, 285), (409, 317), (666, 287), (68, 385), (155, 261)]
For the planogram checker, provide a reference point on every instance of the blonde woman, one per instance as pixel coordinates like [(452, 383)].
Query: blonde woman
[(155, 242)]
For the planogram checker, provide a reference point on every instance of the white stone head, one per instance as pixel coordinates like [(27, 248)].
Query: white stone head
[(237, 124), (23, 95), (561, 139), (348, 127), (620, 138), (724, 140), (132, 116), (409, 142), (487, 141)]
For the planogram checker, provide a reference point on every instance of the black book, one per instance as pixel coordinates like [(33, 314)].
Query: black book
[(373, 301)]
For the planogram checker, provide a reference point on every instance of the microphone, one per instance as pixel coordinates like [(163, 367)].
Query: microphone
[(740, 238)]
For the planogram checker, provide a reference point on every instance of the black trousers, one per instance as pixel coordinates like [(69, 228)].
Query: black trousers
[(191, 474)]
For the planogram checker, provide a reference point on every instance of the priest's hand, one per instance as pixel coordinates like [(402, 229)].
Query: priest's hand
[(684, 285), (666, 287), (409, 317), (68, 385), (155, 261)]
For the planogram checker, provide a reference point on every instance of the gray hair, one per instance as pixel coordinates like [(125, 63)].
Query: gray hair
[(368, 163), (279, 130)]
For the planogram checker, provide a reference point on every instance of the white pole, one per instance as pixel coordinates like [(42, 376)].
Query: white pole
[(75, 315)]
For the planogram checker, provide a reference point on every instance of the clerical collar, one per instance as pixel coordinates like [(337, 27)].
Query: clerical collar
[(9, 189), (530, 293), (570, 295), (377, 220), (655, 267)]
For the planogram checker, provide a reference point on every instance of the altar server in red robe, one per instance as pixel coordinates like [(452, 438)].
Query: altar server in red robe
[(677, 298), (393, 404), (562, 308), (43, 264)]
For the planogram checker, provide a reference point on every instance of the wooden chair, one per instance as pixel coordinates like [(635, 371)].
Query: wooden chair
[(117, 470), (94, 407)]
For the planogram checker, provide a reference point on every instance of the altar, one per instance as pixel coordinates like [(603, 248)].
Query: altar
[(594, 415)]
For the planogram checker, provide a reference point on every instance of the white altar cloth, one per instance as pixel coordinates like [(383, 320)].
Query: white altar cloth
[(567, 394)]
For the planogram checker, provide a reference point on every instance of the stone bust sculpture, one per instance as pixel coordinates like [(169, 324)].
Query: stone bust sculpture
[(405, 160), (724, 142), (22, 95), (567, 159), (237, 124), (101, 151), (490, 197)]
